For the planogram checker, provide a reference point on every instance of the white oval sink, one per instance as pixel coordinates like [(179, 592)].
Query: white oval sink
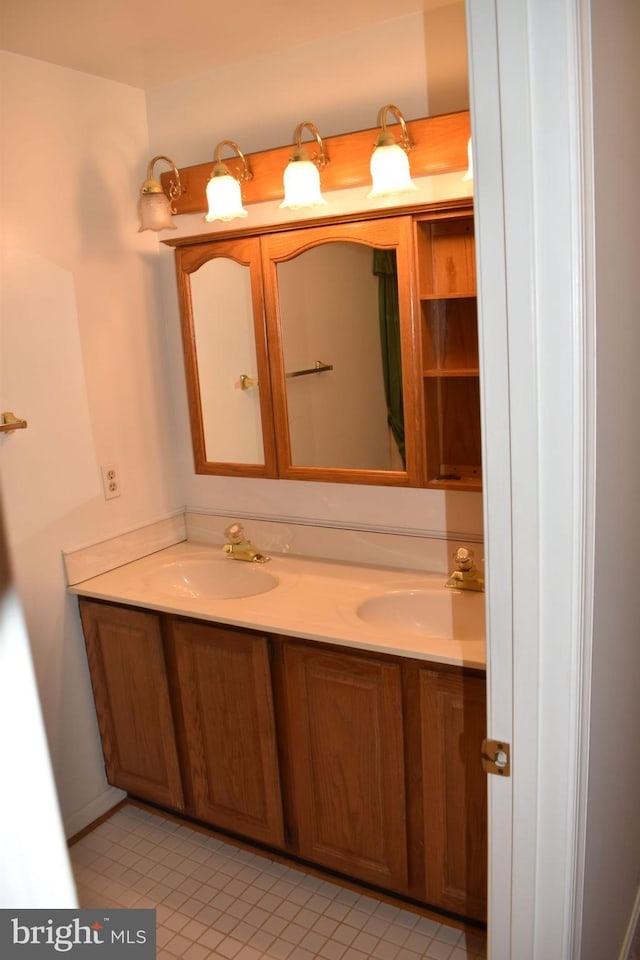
[(435, 613), (211, 578)]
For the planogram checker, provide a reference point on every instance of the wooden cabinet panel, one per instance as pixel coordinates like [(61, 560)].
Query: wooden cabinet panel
[(381, 758), (124, 649), (452, 712), (447, 257), (450, 363), (224, 688), (345, 739)]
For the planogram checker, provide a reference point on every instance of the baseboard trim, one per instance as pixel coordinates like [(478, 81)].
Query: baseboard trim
[(86, 816)]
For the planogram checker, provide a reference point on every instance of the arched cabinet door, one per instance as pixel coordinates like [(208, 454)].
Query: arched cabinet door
[(225, 353), (345, 371)]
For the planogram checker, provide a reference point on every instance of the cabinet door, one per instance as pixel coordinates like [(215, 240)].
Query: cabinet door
[(340, 304), (126, 662), (452, 712), (225, 354), (229, 728), (346, 757)]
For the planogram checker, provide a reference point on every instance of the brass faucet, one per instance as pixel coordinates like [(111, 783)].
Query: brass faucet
[(466, 576), (239, 548)]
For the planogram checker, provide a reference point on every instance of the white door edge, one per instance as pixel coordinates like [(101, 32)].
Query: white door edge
[(531, 122)]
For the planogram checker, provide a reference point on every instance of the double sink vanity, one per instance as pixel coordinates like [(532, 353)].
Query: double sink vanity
[(330, 711)]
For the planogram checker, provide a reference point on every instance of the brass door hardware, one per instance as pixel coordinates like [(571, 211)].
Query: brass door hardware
[(496, 757), (8, 421)]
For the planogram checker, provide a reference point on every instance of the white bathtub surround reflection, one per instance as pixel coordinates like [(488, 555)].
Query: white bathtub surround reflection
[(217, 901)]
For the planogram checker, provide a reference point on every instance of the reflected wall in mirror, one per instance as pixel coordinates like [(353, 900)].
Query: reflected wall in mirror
[(342, 295), (222, 321), (225, 345), (331, 298)]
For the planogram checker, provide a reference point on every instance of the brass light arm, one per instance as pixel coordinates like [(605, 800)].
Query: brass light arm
[(385, 138), (300, 152), (220, 169), (151, 185)]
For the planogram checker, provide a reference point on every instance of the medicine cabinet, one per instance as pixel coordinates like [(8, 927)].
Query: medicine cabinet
[(343, 351)]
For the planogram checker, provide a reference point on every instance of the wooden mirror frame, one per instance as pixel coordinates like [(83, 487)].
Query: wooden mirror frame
[(244, 250), (420, 422), (388, 233)]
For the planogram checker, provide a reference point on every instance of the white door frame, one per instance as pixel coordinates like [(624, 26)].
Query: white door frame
[(530, 109)]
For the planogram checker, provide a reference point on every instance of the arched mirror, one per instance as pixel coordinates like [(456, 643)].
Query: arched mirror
[(342, 350), (341, 408), (220, 290)]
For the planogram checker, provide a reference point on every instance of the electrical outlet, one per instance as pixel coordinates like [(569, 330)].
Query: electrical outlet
[(110, 482)]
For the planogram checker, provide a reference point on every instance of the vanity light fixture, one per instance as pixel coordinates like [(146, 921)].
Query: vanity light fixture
[(154, 206), (390, 172), (302, 173), (469, 174), (224, 196)]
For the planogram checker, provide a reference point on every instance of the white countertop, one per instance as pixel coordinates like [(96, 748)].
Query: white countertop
[(313, 599)]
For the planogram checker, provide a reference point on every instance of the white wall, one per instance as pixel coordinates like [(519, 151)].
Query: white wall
[(613, 822), (339, 84), (83, 361), (91, 352)]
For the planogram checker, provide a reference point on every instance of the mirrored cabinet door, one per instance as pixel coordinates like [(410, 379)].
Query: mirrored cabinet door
[(223, 330), (342, 350)]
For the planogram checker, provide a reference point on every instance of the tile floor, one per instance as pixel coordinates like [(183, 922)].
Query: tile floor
[(217, 901)]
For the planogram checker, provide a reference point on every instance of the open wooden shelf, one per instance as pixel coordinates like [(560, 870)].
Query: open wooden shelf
[(450, 362)]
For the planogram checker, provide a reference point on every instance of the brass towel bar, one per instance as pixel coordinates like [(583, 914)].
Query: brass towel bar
[(319, 367)]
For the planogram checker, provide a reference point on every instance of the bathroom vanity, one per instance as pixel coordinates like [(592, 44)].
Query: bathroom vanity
[(320, 716)]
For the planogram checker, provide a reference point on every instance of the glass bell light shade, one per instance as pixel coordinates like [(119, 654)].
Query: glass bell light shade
[(155, 208), (390, 172), (154, 211), (302, 185), (224, 197)]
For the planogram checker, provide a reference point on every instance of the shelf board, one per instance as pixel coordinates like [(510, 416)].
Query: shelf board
[(465, 295), (454, 372), (464, 483)]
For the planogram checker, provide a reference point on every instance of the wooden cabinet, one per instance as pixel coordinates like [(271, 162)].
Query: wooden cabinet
[(368, 765), (126, 662), (225, 705), (396, 353), (454, 807), (450, 365), (345, 748)]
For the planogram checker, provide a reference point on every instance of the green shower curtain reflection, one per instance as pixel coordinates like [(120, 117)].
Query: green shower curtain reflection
[(384, 267)]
